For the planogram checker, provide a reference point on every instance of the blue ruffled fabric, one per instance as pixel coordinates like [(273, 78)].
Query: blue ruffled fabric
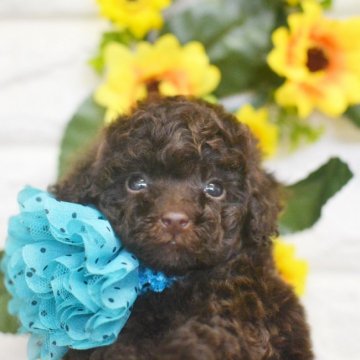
[(72, 283)]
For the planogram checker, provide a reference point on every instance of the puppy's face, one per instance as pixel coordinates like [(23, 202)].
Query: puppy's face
[(176, 180), (178, 220)]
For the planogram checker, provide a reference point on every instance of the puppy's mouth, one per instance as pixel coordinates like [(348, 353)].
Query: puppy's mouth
[(174, 243), (175, 240), (174, 253)]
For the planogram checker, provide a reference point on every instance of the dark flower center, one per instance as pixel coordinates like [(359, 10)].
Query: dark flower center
[(152, 86), (316, 59)]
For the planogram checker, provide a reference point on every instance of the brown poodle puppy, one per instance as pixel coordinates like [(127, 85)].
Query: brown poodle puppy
[(180, 181)]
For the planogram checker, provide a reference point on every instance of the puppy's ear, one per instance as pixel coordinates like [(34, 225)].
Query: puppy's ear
[(263, 208), (92, 172), (79, 185), (262, 190), (264, 195)]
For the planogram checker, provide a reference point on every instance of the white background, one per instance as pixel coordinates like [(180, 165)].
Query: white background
[(44, 46)]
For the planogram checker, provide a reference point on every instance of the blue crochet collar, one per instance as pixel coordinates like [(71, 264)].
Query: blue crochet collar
[(72, 283)]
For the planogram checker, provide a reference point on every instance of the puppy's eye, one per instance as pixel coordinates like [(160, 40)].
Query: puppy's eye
[(214, 189), (137, 183)]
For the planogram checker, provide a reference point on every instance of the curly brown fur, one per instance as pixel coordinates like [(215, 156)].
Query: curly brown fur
[(230, 303)]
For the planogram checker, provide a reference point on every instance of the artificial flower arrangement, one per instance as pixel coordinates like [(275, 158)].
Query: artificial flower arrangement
[(288, 59)]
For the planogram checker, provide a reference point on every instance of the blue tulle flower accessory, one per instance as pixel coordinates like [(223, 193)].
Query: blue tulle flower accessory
[(72, 283)]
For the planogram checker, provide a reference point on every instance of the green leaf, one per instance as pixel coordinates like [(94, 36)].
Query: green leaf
[(295, 130), (237, 37), (8, 323), (79, 133), (307, 197), (353, 114), (326, 4), (122, 37)]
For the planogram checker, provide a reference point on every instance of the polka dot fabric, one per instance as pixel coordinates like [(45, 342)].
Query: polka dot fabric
[(71, 281)]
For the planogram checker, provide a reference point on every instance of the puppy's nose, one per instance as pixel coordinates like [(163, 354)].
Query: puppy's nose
[(175, 220)]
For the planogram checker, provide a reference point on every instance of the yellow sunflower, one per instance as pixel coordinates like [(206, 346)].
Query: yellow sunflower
[(320, 60), (298, 2), (139, 16), (165, 67), (265, 132), (293, 270)]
